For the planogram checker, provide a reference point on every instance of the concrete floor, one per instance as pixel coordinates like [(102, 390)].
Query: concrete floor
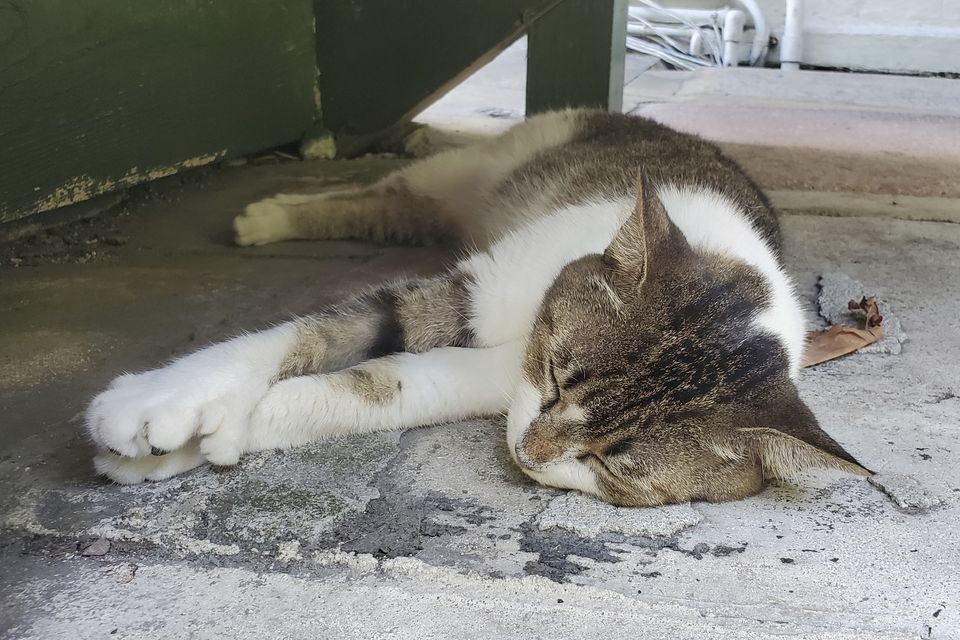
[(433, 533)]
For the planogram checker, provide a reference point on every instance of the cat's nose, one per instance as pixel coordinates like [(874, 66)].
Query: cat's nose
[(524, 460)]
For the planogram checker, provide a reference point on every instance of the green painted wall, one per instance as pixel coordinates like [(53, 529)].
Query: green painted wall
[(99, 95)]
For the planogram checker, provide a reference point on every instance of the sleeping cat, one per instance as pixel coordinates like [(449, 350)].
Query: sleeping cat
[(624, 302)]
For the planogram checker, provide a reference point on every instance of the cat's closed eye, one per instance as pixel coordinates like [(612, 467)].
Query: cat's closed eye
[(576, 377)]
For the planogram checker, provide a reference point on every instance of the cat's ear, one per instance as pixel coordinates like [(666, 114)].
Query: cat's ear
[(789, 438), (785, 439), (647, 243), (783, 456)]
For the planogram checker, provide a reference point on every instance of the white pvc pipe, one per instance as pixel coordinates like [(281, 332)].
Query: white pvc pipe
[(791, 46), (732, 35), (700, 17), (761, 32), (643, 30)]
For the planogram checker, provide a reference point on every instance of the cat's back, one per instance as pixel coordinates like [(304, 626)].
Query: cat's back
[(606, 152)]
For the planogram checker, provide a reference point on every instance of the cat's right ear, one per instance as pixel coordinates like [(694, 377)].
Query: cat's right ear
[(783, 456), (646, 244)]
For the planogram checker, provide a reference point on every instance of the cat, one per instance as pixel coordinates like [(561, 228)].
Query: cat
[(623, 301)]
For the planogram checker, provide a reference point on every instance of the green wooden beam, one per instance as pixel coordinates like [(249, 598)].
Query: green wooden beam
[(575, 56), (96, 96), (381, 63)]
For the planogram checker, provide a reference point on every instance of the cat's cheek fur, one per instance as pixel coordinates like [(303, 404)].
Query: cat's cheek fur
[(207, 395), (524, 407)]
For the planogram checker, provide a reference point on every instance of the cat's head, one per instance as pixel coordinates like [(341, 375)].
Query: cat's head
[(650, 377)]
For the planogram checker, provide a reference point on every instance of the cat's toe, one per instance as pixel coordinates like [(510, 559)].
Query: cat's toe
[(222, 448), (222, 432), (169, 426)]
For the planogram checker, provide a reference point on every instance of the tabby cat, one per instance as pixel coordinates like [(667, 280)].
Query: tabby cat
[(624, 302)]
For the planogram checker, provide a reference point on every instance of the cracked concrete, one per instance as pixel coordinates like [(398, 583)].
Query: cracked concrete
[(434, 533)]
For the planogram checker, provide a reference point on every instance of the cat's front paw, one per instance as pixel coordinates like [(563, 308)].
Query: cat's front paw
[(199, 405), (159, 412)]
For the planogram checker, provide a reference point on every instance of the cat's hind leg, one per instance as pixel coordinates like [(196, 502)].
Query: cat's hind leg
[(443, 198), (388, 212)]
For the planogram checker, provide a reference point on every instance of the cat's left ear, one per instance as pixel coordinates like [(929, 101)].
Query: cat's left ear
[(646, 244)]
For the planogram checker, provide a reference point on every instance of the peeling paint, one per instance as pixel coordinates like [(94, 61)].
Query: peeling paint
[(85, 187)]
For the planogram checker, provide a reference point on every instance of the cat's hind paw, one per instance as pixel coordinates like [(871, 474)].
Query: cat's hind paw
[(265, 221)]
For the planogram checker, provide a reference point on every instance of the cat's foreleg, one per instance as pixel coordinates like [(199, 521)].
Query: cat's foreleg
[(178, 409), (396, 392), (401, 391)]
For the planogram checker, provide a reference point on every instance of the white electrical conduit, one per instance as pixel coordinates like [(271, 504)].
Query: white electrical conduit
[(678, 59), (791, 49), (659, 38), (732, 35), (761, 32)]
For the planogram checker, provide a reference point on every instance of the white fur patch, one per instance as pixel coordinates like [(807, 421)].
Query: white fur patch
[(714, 223), (571, 474), (523, 409), (509, 279)]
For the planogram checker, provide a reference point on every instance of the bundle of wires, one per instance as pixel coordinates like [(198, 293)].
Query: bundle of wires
[(689, 39), (666, 41)]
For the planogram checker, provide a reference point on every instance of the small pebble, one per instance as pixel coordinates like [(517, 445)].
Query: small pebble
[(100, 547)]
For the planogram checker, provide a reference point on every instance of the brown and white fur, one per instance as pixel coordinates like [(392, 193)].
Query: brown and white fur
[(625, 304)]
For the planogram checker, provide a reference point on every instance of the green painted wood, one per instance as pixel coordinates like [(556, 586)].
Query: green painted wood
[(95, 96), (383, 62), (575, 56)]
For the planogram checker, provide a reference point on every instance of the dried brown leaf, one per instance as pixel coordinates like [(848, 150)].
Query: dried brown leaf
[(841, 339)]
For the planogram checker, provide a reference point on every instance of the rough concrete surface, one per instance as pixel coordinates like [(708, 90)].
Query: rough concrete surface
[(434, 533)]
